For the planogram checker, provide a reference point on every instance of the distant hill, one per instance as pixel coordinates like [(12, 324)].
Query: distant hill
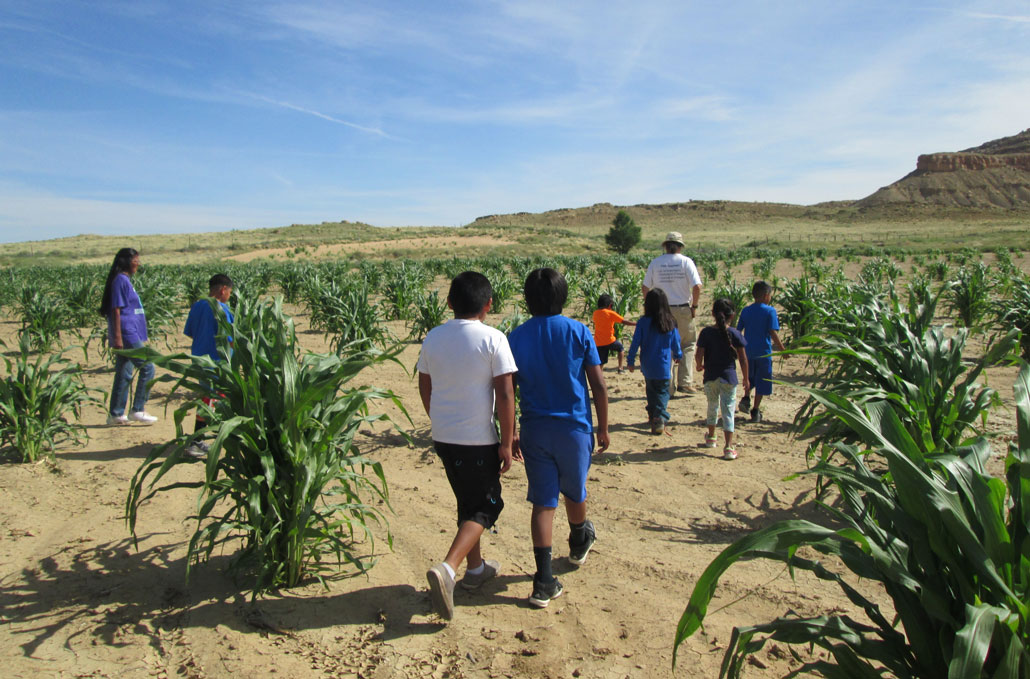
[(992, 175)]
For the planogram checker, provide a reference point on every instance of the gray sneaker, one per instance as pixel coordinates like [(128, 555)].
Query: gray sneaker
[(745, 403), (542, 594), (473, 582), (756, 415), (578, 553), (441, 591)]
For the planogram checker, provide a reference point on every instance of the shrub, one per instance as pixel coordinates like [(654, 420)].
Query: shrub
[(623, 234)]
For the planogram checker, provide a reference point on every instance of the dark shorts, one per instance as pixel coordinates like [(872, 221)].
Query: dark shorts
[(474, 473), (760, 371), (615, 346)]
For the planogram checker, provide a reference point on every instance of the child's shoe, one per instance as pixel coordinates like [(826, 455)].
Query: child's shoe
[(729, 453), (578, 553), (473, 582), (441, 591), (709, 442), (657, 426), (745, 403), (117, 420), (542, 594), (756, 416), (143, 418)]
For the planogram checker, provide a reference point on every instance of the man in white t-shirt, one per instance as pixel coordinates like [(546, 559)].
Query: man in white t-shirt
[(677, 276), (464, 369)]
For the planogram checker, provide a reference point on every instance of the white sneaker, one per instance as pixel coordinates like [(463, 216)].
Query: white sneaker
[(143, 418), (198, 450), (117, 419)]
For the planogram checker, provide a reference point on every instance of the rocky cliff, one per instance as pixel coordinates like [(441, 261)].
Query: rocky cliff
[(995, 174)]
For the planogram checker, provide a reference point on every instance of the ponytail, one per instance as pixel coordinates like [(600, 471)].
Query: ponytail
[(723, 311)]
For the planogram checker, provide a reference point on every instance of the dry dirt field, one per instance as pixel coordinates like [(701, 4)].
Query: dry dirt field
[(78, 600)]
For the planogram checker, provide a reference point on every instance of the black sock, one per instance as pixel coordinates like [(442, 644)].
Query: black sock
[(543, 564), (577, 533)]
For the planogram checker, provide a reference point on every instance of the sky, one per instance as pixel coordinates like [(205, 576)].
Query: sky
[(169, 116)]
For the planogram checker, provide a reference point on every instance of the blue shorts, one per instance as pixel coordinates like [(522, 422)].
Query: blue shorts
[(760, 371), (557, 456)]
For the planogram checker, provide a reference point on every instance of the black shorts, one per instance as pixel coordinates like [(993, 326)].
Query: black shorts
[(474, 473), (615, 346)]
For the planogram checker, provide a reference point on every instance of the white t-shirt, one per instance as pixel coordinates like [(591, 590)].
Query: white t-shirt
[(462, 357), (675, 274)]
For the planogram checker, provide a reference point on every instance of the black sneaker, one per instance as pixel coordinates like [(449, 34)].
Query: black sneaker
[(542, 594), (745, 404), (756, 416), (578, 553)]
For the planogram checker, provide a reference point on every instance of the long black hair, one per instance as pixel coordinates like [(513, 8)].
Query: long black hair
[(723, 312), (656, 307), (122, 264)]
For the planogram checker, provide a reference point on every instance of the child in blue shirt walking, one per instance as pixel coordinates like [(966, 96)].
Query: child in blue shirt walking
[(658, 341), (557, 359), (759, 323), (202, 328)]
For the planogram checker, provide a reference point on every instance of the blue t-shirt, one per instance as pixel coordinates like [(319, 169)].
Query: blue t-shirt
[(552, 354), (657, 350), (756, 322), (203, 328), (720, 357), (133, 320)]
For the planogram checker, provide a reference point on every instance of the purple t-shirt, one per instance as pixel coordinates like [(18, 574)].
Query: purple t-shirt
[(720, 358), (134, 321)]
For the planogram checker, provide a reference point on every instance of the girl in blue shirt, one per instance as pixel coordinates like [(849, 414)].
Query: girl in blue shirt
[(658, 342)]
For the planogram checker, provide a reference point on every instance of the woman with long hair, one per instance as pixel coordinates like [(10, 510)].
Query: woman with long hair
[(126, 329)]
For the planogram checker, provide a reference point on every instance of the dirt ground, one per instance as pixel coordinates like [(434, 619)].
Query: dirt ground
[(77, 599)]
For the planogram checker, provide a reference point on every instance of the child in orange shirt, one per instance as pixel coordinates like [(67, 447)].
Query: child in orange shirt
[(605, 319)]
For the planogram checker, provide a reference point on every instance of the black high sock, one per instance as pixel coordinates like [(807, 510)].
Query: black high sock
[(577, 533), (543, 564)]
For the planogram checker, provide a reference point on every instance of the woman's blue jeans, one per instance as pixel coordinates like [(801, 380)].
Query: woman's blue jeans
[(123, 369), (657, 392)]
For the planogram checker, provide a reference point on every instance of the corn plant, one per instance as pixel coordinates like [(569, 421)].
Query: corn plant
[(895, 356), (283, 476), (79, 290), (43, 317), (346, 314), (802, 308), (505, 288), (739, 295), (970, 294), (429, 312), (1013, 312), (945, 540), (41, 400)]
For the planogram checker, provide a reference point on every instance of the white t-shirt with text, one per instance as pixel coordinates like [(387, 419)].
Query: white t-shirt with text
[(675, 274), (462, 357)]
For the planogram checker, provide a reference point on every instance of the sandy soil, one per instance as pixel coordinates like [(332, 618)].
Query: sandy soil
[(77, 599)]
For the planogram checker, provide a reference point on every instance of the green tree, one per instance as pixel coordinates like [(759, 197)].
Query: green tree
[(624, 233)]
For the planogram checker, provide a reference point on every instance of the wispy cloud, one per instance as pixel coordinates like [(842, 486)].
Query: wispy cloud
[(318, 114), (1015, 19)]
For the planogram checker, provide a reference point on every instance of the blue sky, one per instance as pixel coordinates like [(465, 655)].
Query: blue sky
[(154, 116)]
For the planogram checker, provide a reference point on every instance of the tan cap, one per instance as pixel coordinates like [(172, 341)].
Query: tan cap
[(673, 237)]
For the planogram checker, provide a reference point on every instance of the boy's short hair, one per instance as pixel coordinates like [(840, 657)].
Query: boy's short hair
[(760, 289), (546, 292), (470, 292), (218, 280), (605, 301)]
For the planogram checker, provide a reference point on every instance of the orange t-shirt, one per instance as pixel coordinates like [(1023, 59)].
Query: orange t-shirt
[(604, 326)]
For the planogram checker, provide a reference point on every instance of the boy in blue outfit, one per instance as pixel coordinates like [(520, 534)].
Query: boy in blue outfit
[(202, 328), (464, 370), (557, 359), (759, 323)]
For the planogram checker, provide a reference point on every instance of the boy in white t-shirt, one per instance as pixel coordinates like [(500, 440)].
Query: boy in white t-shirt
[(464, 369)]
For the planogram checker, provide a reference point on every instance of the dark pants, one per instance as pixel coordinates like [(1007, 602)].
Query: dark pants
[(657, 398)]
